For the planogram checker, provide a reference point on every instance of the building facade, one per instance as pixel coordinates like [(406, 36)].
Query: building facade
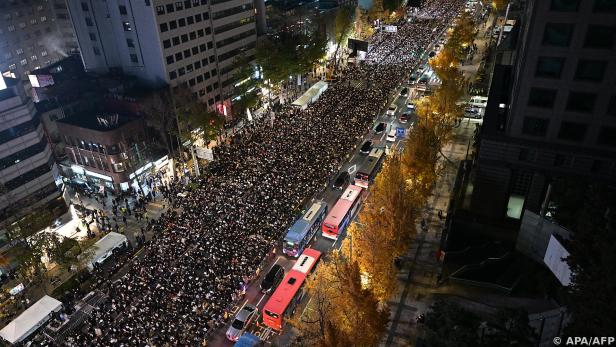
[(168, 42), (552, 107), (105, 149), (27, 169), (33, 34)]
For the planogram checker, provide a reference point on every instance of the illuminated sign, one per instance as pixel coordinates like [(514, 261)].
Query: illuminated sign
[(2, 84)]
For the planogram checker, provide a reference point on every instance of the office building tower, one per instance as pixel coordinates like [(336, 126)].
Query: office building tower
[(33, 34), (168, 42), (27, 169), (551, 111)]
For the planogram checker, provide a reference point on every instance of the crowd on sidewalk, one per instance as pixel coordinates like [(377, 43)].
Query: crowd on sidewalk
[(201, 259)]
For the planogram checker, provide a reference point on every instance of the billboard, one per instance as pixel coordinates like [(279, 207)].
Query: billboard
[(358, 45), (554, 259)]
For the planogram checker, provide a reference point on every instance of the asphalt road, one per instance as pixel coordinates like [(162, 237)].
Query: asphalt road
[(330, 196)]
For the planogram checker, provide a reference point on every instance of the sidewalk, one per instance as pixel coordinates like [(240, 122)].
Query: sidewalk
[(419, 275)]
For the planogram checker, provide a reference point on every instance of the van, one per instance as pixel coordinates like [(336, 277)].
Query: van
[(391, 135), (479, 101)]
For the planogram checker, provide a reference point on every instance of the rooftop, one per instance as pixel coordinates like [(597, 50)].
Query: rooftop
[(101, 121)]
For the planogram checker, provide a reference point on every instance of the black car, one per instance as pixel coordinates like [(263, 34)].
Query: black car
[(379, 128), (404, 91), (342, 180), (272, 279), (366, 147)]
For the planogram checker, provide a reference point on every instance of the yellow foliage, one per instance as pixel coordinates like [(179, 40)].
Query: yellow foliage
[(341, 311)]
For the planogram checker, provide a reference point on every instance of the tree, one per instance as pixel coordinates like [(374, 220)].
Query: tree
[(246, 84), (159, 113), (195, 121), (386, 225), (449, 325), (342, 312), (590, 298), (391, 5)]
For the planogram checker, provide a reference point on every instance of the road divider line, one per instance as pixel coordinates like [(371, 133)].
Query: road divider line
[(258, 302)]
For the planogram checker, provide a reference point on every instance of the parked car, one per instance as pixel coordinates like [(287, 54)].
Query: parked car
[(391, 111), (404, 91), (379, 128), (341, 181), (404, 118), (410, 106), (272, 279), (241, 321), (366, 147)]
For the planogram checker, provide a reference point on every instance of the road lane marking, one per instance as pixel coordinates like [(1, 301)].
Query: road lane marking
[(258, 302)]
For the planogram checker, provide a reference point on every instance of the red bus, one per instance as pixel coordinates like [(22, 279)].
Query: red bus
[(342, 213), (290, 291)]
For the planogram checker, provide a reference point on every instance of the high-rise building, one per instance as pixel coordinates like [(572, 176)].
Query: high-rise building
[(27, 169), (168, 42), (33, 34), (552, 107)]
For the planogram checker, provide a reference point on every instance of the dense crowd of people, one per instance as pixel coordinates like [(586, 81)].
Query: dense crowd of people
[(201, 259)]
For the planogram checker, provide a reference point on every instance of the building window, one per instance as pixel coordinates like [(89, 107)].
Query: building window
[(198, 18), (22, 25), (23, 62), (190, 20), (195, 50), (11, 28), (163, 27), (599, 36), (611, 107), (130, 43), (127, 26), (166, 43), (549, 67), (557, 34), (160, 10), (540, 97), (43, 19), (33, 21), (122, 9), (184, 38), (210, 102), (33, 58), (192, 35), (202, 47), (182, 22), (187, 53), (43, 53), (179, 5), (170, 8), (170, 59), (176, 40), (565, 5), (181, 71), (173, 75), (19, 51), (590, 70), (534, 126), (12, 67), (604, 6), (200, 33), (96, 51), (178, 56), (92, 37), (84, 6), (89, 22), (607, 136), (581, 102), (133, 58), (572, 131), (173, 25)]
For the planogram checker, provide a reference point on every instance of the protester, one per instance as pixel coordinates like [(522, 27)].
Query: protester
[(200, 259)]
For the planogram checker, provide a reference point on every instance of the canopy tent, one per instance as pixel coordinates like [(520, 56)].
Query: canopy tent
[(311, 95), (30, 320), (104, 247)]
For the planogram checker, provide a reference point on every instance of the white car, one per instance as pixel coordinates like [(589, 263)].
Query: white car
[(391, 111), (391, 135)]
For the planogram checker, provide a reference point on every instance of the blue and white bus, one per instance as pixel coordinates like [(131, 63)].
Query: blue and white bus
[(301, 232)]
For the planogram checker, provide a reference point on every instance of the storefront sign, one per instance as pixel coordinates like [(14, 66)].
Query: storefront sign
[(97, 175)]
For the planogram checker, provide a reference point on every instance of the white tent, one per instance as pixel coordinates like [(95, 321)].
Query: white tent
[(30, 320), (311, 95), (104, 247)]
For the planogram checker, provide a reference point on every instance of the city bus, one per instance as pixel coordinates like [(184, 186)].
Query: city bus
[(369, 168), (342, 213), (302, 231), (290, 291)]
